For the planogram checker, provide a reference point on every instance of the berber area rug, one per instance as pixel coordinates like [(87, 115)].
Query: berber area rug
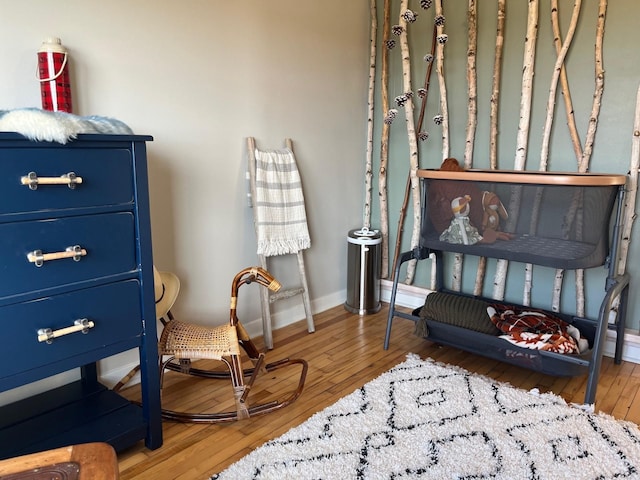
[(427, 420)]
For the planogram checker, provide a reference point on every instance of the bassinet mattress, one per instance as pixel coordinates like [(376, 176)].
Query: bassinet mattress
[(548, 252)]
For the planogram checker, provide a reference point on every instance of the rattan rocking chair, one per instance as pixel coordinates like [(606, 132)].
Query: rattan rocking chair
[(184, 342)]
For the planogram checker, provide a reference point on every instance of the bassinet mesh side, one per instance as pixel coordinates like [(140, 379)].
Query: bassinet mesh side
[(555, 225)]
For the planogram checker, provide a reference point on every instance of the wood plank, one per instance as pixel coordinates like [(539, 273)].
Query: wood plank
[(343, 354)]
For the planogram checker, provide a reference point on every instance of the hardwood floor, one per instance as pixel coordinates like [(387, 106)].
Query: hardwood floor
[(344, 353)]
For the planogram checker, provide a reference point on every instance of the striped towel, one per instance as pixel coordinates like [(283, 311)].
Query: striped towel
[(281, 220)]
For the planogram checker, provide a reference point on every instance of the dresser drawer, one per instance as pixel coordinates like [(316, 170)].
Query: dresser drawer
[(114, 309), (106, 179), (109, 241)]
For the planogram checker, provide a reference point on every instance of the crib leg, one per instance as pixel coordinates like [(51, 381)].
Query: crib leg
[(621, 324), (616, 289), (391, 314)]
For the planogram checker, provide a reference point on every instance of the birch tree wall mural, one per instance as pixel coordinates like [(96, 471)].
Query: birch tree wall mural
[(493, 125)]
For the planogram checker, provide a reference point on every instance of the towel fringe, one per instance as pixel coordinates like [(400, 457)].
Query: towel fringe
[(272, 248)]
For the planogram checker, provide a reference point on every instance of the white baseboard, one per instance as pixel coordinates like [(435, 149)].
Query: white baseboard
[(412, 297), (408, 296)]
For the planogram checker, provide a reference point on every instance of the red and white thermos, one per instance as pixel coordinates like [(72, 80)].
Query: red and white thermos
[(53, 73)]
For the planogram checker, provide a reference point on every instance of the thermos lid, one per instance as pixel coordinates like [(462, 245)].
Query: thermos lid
[(52, 44)]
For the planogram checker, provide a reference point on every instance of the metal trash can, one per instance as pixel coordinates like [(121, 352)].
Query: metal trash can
[(363, 271)]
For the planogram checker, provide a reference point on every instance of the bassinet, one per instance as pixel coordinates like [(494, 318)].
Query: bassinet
[(554, 219)]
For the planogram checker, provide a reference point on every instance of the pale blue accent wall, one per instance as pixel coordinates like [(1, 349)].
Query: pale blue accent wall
[(612, 148)]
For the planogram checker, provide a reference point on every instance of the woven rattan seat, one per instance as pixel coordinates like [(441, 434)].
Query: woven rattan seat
[(185, 340)]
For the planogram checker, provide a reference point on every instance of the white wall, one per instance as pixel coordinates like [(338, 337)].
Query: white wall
[(201, 76)]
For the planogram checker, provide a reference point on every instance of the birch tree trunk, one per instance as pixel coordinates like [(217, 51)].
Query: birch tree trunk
[(557, 289), (564, 83), (405, 202), (443, 120), (528, 284), (573, 133), (370, 99), (472, 82), (384, 141), (591, 132), (493, 134), (495, 90), (427, 82), (544, 151), (599, 89), (472, 116), (411, 136), (444, 108), (632, 191), (557, 68), (522, 137)]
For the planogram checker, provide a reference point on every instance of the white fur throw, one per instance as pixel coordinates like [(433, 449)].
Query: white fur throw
[(60, 127)]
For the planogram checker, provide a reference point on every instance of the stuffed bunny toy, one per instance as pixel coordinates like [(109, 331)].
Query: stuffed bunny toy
[(493, 211)]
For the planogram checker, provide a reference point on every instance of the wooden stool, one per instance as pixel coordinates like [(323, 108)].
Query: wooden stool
[(87, 461)]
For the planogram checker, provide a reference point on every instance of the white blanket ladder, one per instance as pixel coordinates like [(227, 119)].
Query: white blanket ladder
[(268, 297)]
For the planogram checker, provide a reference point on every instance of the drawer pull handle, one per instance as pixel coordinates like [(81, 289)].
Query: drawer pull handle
[(82, 325), (69, 179), (37, 257)]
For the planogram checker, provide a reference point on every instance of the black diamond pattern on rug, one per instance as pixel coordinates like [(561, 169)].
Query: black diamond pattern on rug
[(426, 420)]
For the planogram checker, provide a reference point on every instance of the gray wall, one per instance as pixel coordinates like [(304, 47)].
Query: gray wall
[(201, 76)]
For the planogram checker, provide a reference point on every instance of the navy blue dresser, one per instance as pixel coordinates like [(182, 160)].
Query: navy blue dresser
[(76, 286)]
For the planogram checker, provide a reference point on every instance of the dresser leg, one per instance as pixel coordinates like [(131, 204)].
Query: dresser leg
[(89, 374)]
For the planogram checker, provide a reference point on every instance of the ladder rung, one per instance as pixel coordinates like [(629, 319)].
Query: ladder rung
[(291, 292)]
